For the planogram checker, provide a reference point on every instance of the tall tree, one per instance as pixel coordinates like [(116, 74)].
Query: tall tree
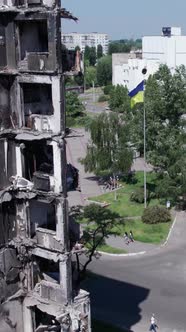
[(109, 149), (119, 100), (74, 106), (99, 51), (87, 53), (90, 76), (104, 70), (92, 56), (165, 104)]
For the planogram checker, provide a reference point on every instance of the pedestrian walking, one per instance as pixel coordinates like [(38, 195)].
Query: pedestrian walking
[(131, 237), (153, 324), (126, 238)]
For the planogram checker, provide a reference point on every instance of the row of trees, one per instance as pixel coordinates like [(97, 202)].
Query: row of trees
[(124, 45), (113, 135)]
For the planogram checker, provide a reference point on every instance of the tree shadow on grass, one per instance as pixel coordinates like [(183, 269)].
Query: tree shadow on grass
[(115, 302)]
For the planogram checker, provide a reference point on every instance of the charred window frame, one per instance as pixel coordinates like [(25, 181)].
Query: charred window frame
[(38, 157), (36, 98), (42, 214), (33, 37)]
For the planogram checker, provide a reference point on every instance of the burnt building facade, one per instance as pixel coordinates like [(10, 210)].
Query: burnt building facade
[(37, 276)]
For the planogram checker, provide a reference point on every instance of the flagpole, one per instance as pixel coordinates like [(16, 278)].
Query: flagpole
[(144, 72), (144, 143)]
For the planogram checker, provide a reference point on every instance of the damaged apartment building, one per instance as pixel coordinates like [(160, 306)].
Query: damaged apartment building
[(38, 291)]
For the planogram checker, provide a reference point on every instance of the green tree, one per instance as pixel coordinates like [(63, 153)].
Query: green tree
[(97, 224), (119, 99), (92, 56), (99, 51), (90, 76), (165, 104), (87, 53), (77, 48), (124, 45), (74, 106), (104, 71), (109, 149)]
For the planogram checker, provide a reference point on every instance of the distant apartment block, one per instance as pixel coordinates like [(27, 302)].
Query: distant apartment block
[(71, 40)]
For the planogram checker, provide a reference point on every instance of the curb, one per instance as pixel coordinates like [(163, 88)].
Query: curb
[(143, 252)]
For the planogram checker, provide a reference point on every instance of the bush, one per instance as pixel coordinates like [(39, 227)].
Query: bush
[(156, 214), (137, 196), (102, 98), (107, 89)]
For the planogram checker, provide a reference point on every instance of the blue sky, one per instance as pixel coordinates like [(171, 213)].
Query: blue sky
[(125, 18)]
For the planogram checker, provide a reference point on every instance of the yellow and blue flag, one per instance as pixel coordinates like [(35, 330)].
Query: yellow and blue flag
[(137, 94)]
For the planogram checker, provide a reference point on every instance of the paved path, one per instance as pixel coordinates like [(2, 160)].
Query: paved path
[(127, 290), (76, 149)]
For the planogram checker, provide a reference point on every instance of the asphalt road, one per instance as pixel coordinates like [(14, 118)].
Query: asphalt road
[(126, 291)]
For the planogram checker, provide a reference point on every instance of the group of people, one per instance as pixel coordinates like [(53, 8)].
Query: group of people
[(112, 183), (128, 238)]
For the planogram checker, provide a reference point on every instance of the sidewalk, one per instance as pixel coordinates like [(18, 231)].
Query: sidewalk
[(133, 247), (176, 232)]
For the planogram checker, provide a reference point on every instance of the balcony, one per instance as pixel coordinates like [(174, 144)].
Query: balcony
[(46, 238)]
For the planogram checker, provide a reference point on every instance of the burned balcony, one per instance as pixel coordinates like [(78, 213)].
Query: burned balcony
[(47, 239), (40, 162), (37, 43), (42, 216), (37, 100), (51, 291), (38, 158), (41, 102), (33, 38)]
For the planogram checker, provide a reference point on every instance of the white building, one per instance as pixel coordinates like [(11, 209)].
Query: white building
[(169, 49), (71, 40)]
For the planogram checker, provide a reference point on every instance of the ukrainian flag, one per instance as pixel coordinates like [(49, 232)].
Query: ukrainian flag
[(137, 94)]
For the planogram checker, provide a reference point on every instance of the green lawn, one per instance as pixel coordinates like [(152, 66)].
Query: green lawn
[(123, 205), (144, 233), (125, 208), (98, 326)]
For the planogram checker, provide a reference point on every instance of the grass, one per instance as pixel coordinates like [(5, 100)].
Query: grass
[(123, 205), (125, 208), (143, 232), (98, 326), (111, 250)]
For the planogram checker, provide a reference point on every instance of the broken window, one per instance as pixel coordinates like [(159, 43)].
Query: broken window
[(42, 214), (38, 157), (6, 118), (42, 319), (3, 61), (37, 99), (44, 269), (7, 222), (33, 37), (7, 162)]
